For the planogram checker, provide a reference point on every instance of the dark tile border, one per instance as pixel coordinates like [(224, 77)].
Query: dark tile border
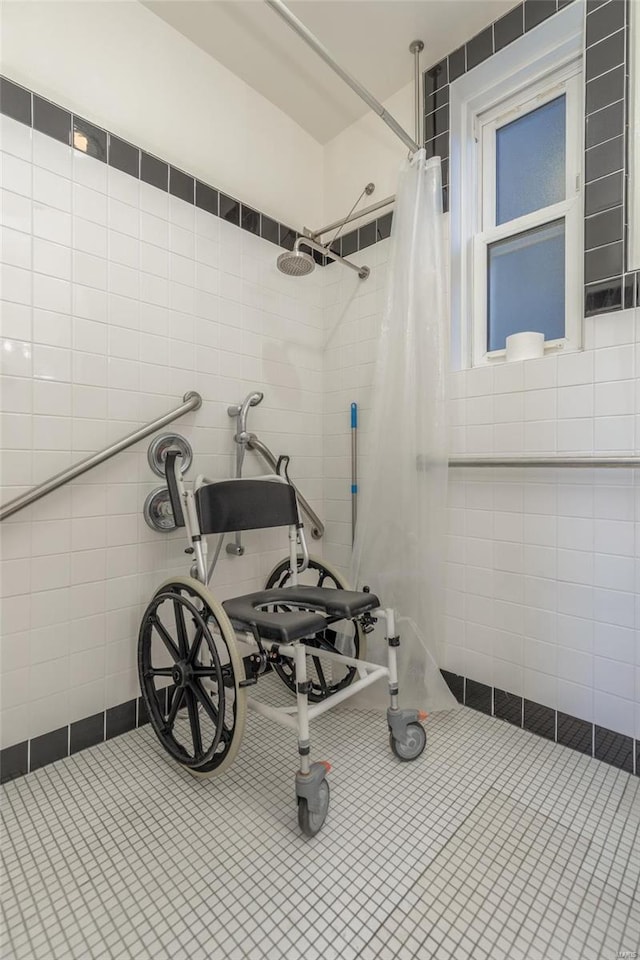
[(86, 733), (478, 696), (14, 761), (48, 748), (121, 719), (22, 758), (27, 107), (608, 285), (613, 748), (18, 103)]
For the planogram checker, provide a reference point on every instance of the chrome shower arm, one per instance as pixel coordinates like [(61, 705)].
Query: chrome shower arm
[(363, 272)]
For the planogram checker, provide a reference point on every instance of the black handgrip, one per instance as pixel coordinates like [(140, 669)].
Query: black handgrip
[(282, 467), (172, 484)]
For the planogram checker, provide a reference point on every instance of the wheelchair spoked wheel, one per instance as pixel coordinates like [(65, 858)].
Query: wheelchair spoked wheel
[(348, 637), (190, 674)]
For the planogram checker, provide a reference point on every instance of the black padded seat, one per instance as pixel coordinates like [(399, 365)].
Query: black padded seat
[(293, 625)]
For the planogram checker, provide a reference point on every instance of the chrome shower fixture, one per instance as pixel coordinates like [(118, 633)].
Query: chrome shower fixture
[(297, 263)]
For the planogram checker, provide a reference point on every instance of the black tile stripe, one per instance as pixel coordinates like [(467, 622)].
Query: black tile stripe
[(509, 28), (535, 11), (154, 172), (52, 120), (15, 101), (86, 733), (229, 209), (507, 706), (539, 719), (581, 735), (603, 228), (614, 748), (89, 139), (603, 297), (478, 696), (574, 733), (124, 156), (181, 185), (207, 198), (26, 107), (120, 719), (250, 219), (48, 748), (14, 761)]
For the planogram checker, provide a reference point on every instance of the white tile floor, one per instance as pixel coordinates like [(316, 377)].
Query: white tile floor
[(496, 843)]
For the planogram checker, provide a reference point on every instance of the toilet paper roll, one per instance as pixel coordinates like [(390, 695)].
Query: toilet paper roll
[(525, 346)]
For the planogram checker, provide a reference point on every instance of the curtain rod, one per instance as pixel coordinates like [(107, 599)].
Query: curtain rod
[(296, 25)]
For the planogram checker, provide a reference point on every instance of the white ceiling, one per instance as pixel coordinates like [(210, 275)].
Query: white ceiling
[(369, 38)]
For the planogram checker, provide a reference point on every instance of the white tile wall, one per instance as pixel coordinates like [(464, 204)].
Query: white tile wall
[(117, 299), (543, 566)]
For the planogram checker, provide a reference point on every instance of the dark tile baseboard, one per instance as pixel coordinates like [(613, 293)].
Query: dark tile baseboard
[(608, 745), (30, 755)]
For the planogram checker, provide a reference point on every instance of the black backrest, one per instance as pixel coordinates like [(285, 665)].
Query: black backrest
[(174, 495), (245, 505)]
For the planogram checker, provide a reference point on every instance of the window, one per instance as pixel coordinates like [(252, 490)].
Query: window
[(515, 168), (527, 244)]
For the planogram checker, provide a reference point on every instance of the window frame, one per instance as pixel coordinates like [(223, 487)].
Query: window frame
[(565, 81), (532, 59)]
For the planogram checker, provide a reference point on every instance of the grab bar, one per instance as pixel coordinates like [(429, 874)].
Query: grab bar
[(192, 401), (588, 462), (317, 527)]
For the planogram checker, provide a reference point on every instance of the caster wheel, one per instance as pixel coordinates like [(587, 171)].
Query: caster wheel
[(412, 746), (190, 674), (311, 822), (348, 639)]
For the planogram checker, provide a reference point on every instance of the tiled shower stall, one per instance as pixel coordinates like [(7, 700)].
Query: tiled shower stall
[(127, 283)]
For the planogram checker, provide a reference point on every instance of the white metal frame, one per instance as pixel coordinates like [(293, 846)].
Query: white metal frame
[(529, 61), (299, 717)]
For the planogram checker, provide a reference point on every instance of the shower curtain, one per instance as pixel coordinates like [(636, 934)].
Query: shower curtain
[(399, 541)]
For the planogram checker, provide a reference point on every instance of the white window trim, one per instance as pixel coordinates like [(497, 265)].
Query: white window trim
[(634, 137), (555, 45), (567, 81)]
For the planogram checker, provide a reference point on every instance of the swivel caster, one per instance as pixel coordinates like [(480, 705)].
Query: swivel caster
[(407, 736), (312, 790)]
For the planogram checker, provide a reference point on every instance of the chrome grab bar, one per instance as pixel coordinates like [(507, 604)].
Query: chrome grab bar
[(191, 401), (317, 527), (593, 463)]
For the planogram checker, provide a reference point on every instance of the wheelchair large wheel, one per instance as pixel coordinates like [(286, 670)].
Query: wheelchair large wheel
[(346, 637), (190, 674)]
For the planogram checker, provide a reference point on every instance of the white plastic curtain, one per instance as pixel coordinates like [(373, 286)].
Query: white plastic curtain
[(399, 542)]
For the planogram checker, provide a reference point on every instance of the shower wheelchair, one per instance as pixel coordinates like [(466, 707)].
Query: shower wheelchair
[(198, 658)]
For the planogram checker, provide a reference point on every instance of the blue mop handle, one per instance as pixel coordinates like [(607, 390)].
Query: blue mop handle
[(354, 468)]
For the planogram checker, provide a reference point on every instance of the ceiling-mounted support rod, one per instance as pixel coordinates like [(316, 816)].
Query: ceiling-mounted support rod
[(354, 216), (357, 87), (416, 47)]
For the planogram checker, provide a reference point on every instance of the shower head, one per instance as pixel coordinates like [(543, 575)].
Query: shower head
[(295, 263)]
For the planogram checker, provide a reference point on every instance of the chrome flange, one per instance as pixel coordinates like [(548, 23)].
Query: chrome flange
[(158, 450), (157, 511)]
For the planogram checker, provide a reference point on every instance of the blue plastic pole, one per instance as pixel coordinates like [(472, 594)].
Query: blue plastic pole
[(354, 469)]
